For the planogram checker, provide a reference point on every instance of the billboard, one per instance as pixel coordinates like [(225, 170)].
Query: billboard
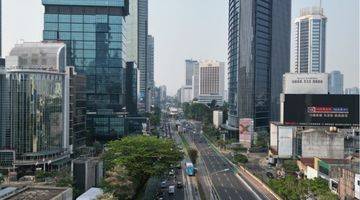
[(321, 110), (285, 140), (302, 83), (246, 131)]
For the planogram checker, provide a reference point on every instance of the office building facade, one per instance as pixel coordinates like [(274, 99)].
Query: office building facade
[(336, 82), (131, 87), (186, 94), (353, 90), (150, 70), (137, 35), (211, 81), (310, 38), (93, 32), (190, 68), (35, 121), (77, 100), (257, 65)]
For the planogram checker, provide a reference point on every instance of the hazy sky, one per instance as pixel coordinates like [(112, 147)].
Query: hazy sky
[(194, 29)]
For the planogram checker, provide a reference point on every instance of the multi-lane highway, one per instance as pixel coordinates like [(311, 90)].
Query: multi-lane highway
[(223, 175)]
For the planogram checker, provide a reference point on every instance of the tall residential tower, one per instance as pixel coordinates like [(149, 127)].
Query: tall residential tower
[(310, 38)]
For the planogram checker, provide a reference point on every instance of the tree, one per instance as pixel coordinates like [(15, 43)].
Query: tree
[(221, 143), (290, 166), (291, 188), (193, 154), (142, 156), (240, 158), (118, 183)]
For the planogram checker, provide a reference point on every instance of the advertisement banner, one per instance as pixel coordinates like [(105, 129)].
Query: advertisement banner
[(246, 131), (321, 110)]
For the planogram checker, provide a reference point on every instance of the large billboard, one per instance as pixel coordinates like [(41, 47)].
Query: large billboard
[(302, 83), (246, 131), (321, 110)]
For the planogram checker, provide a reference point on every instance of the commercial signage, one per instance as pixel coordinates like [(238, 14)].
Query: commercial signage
[(302, 83), (321, 110), (246, 131)]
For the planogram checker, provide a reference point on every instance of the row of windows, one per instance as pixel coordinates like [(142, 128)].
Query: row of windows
[(112, 28), (54, 35), (88, 19)]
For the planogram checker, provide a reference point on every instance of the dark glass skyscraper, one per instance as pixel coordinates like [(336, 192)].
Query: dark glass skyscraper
[(93, 31), (259, 54)]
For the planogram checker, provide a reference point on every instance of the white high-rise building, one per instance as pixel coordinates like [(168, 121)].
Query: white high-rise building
[(186, 94), (310, 38), (211, 81)]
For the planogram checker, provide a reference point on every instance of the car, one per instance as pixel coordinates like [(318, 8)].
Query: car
[(172, 172), (171, 189), (163, 184), (269, 175), (179, 184)]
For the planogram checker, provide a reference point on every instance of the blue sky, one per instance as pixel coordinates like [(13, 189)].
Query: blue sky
[(194, 29)]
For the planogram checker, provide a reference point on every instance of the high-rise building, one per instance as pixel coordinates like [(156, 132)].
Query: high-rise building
[(77, 100), (163, 94), (36, 102), (195, 81), (259, 54), (336, 82), (150, 70), (136, 35), (93, 32), (186, 94), (190, 67), (211, 82), (131, 87), (310, 38), (353, 90), (0, 28)]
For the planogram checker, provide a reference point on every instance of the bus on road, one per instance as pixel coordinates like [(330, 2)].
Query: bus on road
[(189, 169)]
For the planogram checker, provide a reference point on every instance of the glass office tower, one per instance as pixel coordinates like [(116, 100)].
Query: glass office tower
[(93, 31), (259, 54), (34, 104)]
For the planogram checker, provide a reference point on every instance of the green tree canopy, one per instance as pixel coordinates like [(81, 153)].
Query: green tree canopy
[(193, 154), (118, 183), (142, 156)]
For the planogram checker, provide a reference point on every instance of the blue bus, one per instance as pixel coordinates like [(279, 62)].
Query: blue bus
[(189, 169)]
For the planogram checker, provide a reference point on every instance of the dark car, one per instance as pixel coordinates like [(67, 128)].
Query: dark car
[(179, 184), (269, 175)]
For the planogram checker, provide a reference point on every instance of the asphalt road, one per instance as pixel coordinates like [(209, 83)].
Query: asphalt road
[(227, 184)]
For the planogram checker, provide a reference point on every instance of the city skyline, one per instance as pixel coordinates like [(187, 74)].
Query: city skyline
[(341, 52)]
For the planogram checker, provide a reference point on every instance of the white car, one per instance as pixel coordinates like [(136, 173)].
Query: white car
[(171, 189)]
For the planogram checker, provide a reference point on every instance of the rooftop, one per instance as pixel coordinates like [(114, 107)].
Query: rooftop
[(38, 193), (104, 3)]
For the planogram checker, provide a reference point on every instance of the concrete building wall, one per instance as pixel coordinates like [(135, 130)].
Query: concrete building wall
[(322, 144)]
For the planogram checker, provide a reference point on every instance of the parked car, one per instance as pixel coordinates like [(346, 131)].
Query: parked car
[(163, 184), (269, 175), (171, 189)]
